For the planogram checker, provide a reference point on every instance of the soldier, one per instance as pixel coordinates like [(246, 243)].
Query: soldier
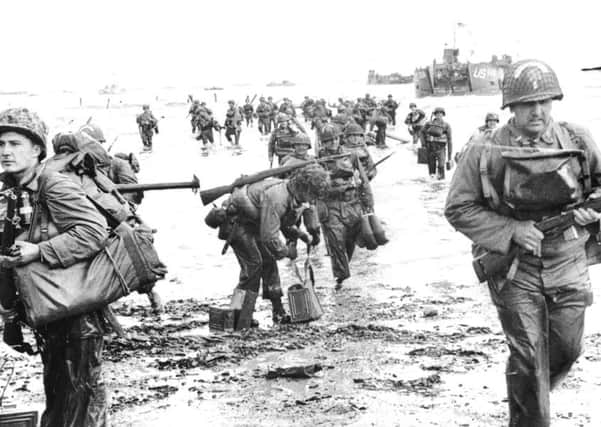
[(265, 209), (280, 142), (287, 108), (206, 124), (307, 107), (273, 112), (340, 213), (147, 125), (439, 143), (233, 123), (354, 141), (248, 113), (380, 119), (542, 298), (193, 113), (301, 144), (490, 123), (415, 122), (71, 348), (391, 107), (264, 112)]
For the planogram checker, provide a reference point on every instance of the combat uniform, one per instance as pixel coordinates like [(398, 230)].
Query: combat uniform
[(71, 348), (264, 209), (147, 125), (540, 300), (438, 141), (391, 107), (280, 144), (263, 112), (206, 124), (233, 123), (248, 114), (415, 122), (340, 213)]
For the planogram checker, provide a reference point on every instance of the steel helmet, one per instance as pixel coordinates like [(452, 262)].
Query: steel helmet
[(283, 117), (412, 105), (145, 107), (26, 122), (530, 80), (492, 116), (301, 139), (439, 110), (329, 132), (93, 131), (66, 142), (353, 129)]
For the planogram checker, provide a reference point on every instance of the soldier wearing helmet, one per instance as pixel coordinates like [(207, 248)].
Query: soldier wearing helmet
[(265, 211), (280, 142), (491, 120), (437, 138), (248, 111), (354, 141), (70, 346), (233, 123), (415, 122), (542, 292), (148, 125), (263, 113), (348, 199), (391, 107), (273, 111)]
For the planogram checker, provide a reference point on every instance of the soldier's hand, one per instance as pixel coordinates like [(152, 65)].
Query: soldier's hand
[(25, 252), (292, 252), (305, 237), (586, 216), (527, 236), (315, 239)]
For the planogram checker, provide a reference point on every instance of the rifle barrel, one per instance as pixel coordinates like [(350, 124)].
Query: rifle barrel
[(134, 188)]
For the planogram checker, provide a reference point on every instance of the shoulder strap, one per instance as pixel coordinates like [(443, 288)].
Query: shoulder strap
[(39, 213), (490, 194), (578, 143)]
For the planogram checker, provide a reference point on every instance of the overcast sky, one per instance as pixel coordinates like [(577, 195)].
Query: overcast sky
[(86, 44)]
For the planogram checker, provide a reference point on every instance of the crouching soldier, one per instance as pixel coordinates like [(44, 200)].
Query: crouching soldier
[(263, 212)]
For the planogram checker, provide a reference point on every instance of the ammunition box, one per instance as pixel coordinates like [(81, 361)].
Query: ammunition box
[(221, 319)]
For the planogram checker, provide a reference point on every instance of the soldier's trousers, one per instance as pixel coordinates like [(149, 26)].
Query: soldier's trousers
[(146, 136), (206, 136), (341, 225), (437, 155), (256, 263), (542, 314), (229, 132), (75, 393), (264, 125), (381, 136)]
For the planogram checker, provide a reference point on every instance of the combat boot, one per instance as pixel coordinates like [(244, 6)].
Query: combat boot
[(278, 313)]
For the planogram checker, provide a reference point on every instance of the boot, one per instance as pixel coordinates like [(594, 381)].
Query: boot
[(278, 313), (440, 174), (338, 284)]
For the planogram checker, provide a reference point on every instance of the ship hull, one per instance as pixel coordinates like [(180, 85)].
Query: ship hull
[(458, 79)]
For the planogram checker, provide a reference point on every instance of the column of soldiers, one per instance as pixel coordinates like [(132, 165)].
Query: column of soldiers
[(541, 294)]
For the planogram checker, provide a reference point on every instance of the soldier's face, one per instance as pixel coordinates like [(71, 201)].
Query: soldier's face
[(532, 117), (282, 125), (491, 124), (301, 149), (332, 144), (17, 153)]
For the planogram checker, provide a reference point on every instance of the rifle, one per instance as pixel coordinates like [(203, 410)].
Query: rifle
[(382, 160), (490, 264), (212, 194), (134, 188)]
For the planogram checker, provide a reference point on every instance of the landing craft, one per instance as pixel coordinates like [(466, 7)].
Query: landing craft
[(452, 77)]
